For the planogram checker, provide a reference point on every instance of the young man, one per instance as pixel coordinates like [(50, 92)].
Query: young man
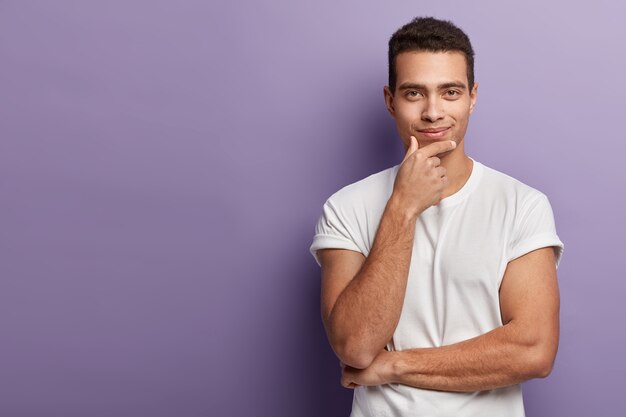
[(439, 287)]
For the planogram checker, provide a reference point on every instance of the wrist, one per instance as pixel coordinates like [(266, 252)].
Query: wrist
[(394, 367), (396, 205)]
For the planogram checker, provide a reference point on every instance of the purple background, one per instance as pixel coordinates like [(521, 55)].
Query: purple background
[(163, 163)]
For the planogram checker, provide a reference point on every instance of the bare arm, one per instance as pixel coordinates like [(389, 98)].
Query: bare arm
[(365, 314), (362, 297), (523, 348)]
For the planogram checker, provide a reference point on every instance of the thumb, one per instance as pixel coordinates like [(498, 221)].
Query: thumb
[(413, 146)]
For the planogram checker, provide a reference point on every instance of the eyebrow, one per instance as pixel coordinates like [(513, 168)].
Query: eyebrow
[(454, 84)]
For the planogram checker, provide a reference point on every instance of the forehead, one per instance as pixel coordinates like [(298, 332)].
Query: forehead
[(434, 68)]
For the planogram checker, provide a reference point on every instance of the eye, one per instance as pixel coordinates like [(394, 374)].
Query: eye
[(452, 93), (413, 94)]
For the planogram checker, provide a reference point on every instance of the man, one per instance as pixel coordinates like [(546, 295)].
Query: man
[(439, 287)]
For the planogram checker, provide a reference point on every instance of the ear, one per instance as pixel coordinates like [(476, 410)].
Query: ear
[(389, 101), (473, 96)]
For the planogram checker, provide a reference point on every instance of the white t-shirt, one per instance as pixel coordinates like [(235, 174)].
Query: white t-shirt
[(460, 252)]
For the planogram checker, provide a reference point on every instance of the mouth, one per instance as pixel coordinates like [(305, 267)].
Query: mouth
[(434, 133)]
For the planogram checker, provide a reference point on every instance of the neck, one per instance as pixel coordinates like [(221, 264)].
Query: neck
[(459, 167)]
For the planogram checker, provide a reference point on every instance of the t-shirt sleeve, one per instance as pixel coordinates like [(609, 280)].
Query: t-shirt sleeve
[(535, 229), (334, 230)]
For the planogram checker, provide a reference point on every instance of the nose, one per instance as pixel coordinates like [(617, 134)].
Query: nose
[(433, 110)]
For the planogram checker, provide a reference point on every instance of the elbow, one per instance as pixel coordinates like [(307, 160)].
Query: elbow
[(357, 362), (544, 368), (351, 346), (354, 355), (351, 349), (541, 361)]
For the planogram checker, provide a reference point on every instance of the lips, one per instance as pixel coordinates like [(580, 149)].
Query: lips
[(434, 133)]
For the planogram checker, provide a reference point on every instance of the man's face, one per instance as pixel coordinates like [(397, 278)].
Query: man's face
[(432, 100)]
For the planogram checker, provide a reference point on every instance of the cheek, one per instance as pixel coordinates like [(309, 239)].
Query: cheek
[(406, 115), (461, 116), (461, 124)]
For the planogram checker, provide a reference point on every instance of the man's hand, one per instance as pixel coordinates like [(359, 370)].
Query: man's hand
[(378, 373), (421, 180)]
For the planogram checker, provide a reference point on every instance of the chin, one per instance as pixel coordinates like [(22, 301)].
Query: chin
[(444, 154), (425, 142)]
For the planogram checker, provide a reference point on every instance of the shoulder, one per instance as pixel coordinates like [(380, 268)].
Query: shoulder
[(349, 216), (531, 222), (508, 188), (370, 190), (529, 210)]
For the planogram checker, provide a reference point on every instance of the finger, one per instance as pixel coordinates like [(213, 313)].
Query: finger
[(413, 146), (434, 161), (441, 171), (438, 147), (347, 383)]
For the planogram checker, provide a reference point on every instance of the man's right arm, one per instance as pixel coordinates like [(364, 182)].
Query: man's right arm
[(362, 298)]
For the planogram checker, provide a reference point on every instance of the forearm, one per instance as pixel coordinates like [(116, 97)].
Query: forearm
[(499, 358), (367, 312)]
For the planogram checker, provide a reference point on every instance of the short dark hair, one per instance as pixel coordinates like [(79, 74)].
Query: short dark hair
[(432, 35)]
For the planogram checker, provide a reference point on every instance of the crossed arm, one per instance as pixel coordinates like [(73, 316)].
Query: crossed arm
[(359, 314)]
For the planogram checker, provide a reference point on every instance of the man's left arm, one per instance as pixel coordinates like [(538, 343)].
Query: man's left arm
[(524, 347)]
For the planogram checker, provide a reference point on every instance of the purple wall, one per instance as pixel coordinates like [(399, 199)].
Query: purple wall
[(162, 165)]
